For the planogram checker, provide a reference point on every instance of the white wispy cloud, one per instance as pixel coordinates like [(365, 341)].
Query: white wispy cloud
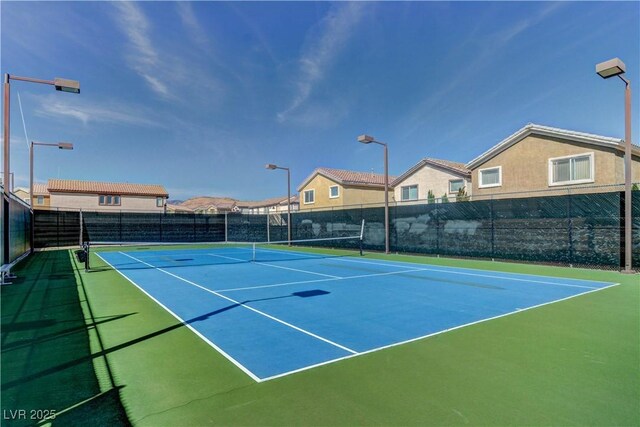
[(143, 56), (191, 23), (489, 47), (105, 112), (322, 48)]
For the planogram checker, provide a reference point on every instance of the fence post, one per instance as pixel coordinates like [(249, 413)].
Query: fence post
[(226, 235), (161, 237), (268, 231), (493, 229), (570, 225), (120, 224), (81, 227)]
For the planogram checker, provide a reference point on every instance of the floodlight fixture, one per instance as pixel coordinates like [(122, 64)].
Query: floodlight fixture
[(611, 68)]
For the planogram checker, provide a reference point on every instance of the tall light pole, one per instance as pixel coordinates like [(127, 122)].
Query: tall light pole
[(366, 139), (61, 146), (272, 167), (63, 85), (615, 67)]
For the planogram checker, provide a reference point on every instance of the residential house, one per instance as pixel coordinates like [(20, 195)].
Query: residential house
[(172, 208), (442, 177), (211, 205), (41, 197), (541, 158), (101, 196), (333, 188), (272, 205), (23, 194)]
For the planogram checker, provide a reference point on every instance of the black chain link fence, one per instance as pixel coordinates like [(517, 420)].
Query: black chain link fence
[(576, 229)]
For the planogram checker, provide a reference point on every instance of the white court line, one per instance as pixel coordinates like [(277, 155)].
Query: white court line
[(355, 354), (181, 320), (389, 273), (373, 350), (311, 334), (452, 270), (279, 266)]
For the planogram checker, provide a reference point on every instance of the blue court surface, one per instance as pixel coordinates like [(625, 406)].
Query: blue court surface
[(294, 310)]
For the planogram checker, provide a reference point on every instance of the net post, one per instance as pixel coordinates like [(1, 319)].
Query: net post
[(85, 247), (253, 252)]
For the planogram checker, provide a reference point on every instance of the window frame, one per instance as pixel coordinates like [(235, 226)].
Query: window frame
[(39, 200), (304, 196), (159, 202), (464, 185), (592, 169), (337, 195), (103, 200), (498, 184), (402, 199)]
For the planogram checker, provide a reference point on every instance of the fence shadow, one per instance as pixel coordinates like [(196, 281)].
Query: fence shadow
[(44, 334)]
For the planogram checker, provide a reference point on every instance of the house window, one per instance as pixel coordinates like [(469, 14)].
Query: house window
[(571, 169), (409, 192), (109, 200), (309, 196), (40, 200), (159, 202), (490, 177), (455, 185), (334, 192)]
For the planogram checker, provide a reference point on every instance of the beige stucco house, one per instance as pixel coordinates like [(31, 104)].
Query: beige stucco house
[(442, 177), (550, 161), (334, 188), (102, 196)]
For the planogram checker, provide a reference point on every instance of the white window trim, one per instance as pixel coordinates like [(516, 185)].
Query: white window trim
[(334, 197), (304, 199), (576, 181), (499, 184), (464, 185), (408, 186)]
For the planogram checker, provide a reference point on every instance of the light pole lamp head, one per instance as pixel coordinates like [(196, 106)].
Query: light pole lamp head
[(271, 166), (65, 146), (65, 85), (611, 68), (366, 139)]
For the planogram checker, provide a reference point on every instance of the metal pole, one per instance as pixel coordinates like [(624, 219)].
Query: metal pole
[(289, 206), (31, 194), (627, 178), (226, 237), (386, 199), (5, 180)]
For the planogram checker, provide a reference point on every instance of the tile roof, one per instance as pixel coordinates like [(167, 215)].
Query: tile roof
[(207, 202), (94, 187), (453, 167), (40, 189), (531, 128), (347, 177)]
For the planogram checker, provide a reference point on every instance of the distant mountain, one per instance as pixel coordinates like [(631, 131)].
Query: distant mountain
[(175, 202)]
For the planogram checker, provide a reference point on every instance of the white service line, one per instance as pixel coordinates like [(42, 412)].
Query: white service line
[(451, 271), (194, 330), (360, 276), (373, 350), (278, 266), (245, 306)]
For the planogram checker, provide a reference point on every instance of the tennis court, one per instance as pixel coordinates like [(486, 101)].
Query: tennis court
[(274, 310)]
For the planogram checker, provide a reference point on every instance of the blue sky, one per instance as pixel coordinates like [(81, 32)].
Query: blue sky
[(199, 96)]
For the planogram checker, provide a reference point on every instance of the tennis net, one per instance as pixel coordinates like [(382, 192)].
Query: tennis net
[(167, 255)]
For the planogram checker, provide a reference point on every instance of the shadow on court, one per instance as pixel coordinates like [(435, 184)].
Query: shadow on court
[(47, 363)]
